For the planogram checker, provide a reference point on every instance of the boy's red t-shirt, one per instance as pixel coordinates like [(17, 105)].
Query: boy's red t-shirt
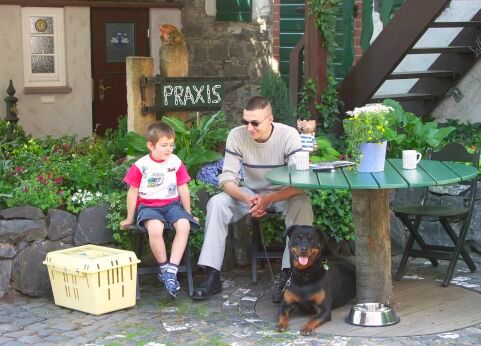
[(157, 180)]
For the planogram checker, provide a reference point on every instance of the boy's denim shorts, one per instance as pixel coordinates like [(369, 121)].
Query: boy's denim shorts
[(168, 214)]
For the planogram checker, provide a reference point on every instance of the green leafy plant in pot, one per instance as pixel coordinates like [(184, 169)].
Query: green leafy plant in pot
[(368, 129)]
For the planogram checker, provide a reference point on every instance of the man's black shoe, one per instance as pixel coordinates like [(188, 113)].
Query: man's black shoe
[(211, 285), (279, 288)]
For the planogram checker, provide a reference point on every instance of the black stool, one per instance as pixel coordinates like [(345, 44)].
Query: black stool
[(138, 244), (258, 247)]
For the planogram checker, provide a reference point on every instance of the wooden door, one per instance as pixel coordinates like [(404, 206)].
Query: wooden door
[(116, 34)]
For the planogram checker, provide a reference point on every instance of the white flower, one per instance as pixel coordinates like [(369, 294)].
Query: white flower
[(370, 108)]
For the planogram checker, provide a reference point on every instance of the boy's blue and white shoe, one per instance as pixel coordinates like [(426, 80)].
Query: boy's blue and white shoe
[(170, 282)]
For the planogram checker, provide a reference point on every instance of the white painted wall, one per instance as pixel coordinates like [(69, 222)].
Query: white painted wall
[(69, 113), (469, 108)]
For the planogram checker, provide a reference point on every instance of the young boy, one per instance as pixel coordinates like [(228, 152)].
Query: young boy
[(157, 182)]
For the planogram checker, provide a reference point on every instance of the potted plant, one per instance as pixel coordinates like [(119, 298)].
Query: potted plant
[(367, 130)]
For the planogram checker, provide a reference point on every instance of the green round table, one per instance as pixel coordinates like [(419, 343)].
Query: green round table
[(370, 210)]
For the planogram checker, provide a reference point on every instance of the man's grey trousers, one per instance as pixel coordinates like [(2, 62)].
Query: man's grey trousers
[(223, 210)]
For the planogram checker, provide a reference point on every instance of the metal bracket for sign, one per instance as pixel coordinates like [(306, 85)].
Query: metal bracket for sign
[(158, 81)]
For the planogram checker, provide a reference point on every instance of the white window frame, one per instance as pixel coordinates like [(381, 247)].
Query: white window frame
[(59, 77)]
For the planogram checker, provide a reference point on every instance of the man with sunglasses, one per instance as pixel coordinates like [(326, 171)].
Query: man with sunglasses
[(259, 145)]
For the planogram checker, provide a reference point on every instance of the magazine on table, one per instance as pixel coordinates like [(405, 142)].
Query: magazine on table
[(327, 166)]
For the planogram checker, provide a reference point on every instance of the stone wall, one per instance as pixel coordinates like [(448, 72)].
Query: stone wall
[(227, 49), (27, 235)]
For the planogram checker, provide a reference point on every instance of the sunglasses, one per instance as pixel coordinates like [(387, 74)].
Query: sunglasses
[(254, 123)]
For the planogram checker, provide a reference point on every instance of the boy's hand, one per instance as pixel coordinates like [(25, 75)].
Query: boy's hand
[(126, 222)]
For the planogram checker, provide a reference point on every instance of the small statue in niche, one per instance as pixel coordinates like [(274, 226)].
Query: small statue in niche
[(171, 36), (307, 129)]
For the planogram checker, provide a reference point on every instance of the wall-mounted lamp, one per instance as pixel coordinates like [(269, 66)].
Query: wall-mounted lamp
[(456, 94)]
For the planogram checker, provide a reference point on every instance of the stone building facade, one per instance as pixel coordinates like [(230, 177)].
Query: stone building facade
[(218, 48)]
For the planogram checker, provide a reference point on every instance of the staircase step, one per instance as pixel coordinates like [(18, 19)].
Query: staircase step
[(423, 74), (456, 24), (450, 49), (404, 97)]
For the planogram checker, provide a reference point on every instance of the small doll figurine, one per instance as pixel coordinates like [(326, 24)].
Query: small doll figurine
[(307, 129)]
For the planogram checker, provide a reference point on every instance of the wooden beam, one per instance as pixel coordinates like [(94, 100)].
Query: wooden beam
[(315, 64), (295, 70), (373, 246), (90, 3)]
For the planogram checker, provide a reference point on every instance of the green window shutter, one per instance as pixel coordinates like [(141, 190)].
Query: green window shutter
[(234, 10), (292, 30), (344, 53), (388, 8)]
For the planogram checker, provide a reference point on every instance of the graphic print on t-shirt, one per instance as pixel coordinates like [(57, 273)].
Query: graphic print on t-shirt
[(156, 179), (172, 190)]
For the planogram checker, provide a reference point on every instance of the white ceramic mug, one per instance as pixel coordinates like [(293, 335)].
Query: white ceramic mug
[(301, 158), (411, 159)]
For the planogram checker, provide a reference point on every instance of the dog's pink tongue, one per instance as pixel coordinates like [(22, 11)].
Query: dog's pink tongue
[(303, 260)]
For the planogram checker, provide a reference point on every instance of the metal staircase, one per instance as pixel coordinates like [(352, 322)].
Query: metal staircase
[(398, 40)]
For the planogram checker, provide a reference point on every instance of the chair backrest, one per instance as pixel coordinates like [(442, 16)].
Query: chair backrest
[(454, 152), (458, 153)]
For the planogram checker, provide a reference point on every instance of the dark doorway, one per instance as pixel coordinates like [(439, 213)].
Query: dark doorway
[(116, 34)]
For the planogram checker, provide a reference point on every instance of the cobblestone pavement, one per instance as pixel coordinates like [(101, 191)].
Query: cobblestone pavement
[(226, 319)]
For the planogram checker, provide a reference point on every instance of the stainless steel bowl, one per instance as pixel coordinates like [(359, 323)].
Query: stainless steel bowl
[(372, 315)]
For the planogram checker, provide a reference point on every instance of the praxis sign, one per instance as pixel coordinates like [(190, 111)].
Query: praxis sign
[(178, 95), (188, 93)]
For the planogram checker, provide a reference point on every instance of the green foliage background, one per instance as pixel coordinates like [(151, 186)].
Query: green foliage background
[(275, 90)]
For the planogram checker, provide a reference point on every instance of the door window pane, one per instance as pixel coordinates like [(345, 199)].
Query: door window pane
[(119, 41)]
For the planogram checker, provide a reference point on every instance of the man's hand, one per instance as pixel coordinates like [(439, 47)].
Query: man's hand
[(258, 205)]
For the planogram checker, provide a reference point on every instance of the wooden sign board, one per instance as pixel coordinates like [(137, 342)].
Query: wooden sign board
[(189, 94)]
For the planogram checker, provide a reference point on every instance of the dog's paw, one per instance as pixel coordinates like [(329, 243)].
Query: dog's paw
[(306, 331), (281, 327)]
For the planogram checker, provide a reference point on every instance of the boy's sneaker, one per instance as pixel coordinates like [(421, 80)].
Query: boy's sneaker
[(170, 283)]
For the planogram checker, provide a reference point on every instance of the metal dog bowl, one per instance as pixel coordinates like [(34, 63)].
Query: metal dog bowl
[(372, 315)]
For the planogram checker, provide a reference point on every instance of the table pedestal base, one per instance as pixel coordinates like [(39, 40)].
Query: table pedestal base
[(370, 212)]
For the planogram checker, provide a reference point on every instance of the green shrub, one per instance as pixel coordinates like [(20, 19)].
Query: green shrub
[(275, 90), (325, 150), (467, 134), (41, 192), (413, 133), (115, 140), (333, 212)]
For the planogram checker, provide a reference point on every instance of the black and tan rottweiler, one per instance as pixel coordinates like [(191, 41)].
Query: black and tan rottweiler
[(318, 283)]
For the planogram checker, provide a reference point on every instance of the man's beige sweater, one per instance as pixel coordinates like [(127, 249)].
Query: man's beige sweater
[(258, 158)]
